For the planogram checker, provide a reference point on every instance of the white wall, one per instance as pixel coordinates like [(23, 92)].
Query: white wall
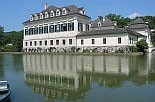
[(56, 35), (111, 40)]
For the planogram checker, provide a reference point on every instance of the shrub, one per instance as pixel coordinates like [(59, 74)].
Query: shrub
[(133, 48), (142, 45)]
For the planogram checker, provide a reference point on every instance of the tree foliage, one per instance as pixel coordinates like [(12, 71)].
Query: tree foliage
[(15, 38), (150, 20), (121, 21), (142, 45)]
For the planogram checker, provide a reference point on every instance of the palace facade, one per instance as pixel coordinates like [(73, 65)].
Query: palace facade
[(62, 29), (54, 28)]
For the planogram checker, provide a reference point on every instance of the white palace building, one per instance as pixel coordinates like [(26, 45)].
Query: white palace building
[(59, 29)]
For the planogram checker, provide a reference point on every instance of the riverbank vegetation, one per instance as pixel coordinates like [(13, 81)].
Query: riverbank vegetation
[(11, 41)]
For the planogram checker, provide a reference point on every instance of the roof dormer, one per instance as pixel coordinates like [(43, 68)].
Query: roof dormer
[(99, 24), (36, 17), (52, 13), (64, 11), (31, 17), (58, 12), (46, 14), (82, 11), (41, 16)]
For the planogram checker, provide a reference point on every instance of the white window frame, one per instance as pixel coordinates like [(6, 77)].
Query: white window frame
[(58, 12), (31, 18), (64, 11), (46, 14), (52, 14), (41, 16)]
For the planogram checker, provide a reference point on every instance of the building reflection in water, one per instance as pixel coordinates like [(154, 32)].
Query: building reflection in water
[(69, 77)]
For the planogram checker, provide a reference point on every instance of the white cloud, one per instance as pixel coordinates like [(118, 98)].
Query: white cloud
[(132, 16)]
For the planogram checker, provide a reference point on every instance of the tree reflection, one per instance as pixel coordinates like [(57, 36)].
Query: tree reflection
[(1, 66)]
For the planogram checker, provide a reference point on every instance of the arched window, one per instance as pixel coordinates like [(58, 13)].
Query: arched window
[(41, 16), (36, 16), (57, 12), (46, 14), (82, 12), (64, 11), (52, 14), (99, 24), (31, 18)]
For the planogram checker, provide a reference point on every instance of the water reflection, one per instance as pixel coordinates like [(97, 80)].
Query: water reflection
[(1, 67), (69, 77)]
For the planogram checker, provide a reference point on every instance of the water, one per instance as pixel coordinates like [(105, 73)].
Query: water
[(81, 78)]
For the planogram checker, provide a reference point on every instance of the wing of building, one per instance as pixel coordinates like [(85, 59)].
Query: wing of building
[(68, 28), (54, 28)]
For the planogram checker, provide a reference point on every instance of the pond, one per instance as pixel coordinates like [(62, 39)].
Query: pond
[(80, 78)]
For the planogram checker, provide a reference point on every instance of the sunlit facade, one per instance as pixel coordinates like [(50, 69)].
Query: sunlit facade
[(54, 28)]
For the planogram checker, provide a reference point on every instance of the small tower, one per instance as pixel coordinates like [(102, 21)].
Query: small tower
[(46, 6)]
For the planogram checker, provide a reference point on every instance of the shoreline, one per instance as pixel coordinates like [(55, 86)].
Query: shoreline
[(75, 53)]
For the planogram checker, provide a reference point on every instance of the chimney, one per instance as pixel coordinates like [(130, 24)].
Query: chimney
[(46, 6)]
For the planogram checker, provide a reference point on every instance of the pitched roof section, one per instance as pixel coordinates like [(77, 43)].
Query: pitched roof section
[(108, 31), (71, 9), (105, 22), (54, 8), (138, 21), (138, 24)]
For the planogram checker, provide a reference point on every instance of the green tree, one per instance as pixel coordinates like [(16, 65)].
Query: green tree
[(17, 40), (121, 21), (142, 45)]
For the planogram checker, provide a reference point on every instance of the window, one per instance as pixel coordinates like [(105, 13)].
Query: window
[(57, 12), (64, 27), (130, 40), (119, 40), (87, 27), (46, 14), (31, 31), (93, 41), (104, 41), (70, 41), (31, 18), (40, 42), (57, 42), (36, 17), (51, 28), (82, 41), (36, 30), (35, 43), (64, 11), (57, 28), (99, 24), (63, 42), (82, 11), (52, 14), (40, 30), (71, 26), (26, 31), (30, 43), (45, 29), (51, 42), (80, 27), (25, 43), (41, 16), (45, 42)]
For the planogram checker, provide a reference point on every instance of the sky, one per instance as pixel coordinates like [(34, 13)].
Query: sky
[(14, 12)]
